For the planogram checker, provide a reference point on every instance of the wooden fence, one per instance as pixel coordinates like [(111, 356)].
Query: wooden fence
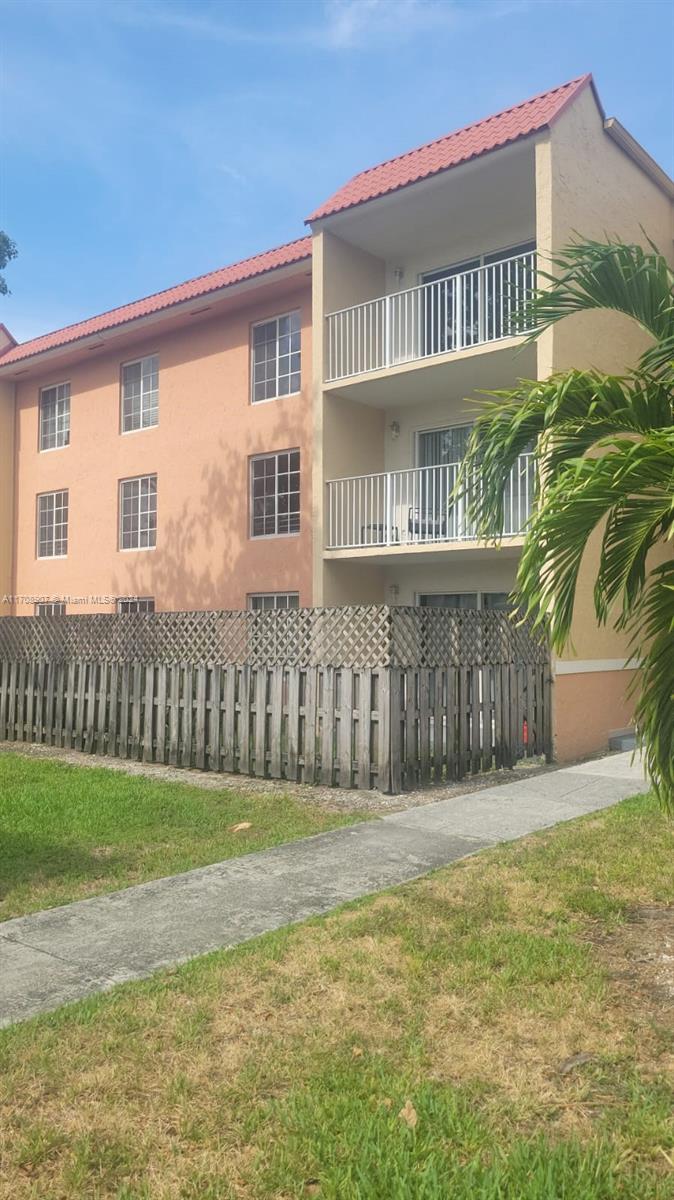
[(393, 727)]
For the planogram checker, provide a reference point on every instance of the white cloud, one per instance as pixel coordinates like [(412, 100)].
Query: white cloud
[(338, 25), (350, 22)]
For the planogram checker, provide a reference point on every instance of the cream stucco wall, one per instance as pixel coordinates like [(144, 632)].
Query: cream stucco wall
[(349, 274), (469, 571), (597, 191), (452, 248), (400, 451), (353, 582), (6, 493), (353, 438)]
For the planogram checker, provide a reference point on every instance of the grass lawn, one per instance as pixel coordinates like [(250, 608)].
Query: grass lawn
[(421, 1045), (68, 832)]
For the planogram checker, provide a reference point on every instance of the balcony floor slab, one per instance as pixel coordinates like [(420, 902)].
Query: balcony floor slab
[(486, 367), (440, 551)]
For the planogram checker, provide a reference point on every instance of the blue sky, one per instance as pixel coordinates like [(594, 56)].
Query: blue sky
[(146, 141)]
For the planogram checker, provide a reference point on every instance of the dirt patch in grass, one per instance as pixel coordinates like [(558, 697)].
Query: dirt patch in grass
[(639, 956)]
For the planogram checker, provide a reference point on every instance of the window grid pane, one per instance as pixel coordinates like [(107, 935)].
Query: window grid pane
[(52, 524), (275, 494), (269, 601), (276, 357), (138, 513), (55, 609), (139, 604), (140, 394), (55, 416)]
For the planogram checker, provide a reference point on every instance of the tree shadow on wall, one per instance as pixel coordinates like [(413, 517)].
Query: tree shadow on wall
[(201, 550)]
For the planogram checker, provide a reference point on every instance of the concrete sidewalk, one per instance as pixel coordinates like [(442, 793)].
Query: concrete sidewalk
[(67, 953)]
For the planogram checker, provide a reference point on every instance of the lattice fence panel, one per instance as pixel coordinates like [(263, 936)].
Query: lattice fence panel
[(354, 636), (429, 637), (357, 636)]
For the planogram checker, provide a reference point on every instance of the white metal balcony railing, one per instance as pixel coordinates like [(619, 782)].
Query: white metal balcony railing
[(463, 310), (396, 508)]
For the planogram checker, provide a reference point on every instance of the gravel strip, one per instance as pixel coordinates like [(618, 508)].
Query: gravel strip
[(332, 799)]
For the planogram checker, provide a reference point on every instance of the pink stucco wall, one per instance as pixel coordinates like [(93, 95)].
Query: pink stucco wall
[(200, 452), (587, 708)]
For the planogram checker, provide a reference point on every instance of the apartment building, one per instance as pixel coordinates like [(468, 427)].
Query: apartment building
[(288, 430)]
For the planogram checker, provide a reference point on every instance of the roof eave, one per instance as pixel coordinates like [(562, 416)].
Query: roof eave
[(315, 222), (581, 83), (641, 157), (100, 338)]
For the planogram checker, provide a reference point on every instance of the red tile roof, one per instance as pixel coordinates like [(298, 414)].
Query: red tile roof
[(458, 147), (248, 268)]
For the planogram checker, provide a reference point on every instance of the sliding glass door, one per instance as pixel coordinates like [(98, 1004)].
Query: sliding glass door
[(451, 305), (478, 300), (441, 452)]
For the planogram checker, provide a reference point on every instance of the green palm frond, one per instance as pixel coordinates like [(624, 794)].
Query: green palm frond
[(642, 515), (654, 683), (563, 417), (577, 500), (659, 359), (609, 275)]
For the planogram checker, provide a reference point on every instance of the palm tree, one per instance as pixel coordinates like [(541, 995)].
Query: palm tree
[(604, 452)]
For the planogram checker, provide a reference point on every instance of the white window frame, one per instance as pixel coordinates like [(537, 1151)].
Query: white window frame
[(38, 525), (139, 479), (275, 597), (42, 607), (275, 454), (135, 605), (278, 394), (153, 360), (61, 416)]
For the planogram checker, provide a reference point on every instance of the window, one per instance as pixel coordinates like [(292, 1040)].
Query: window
[(513, 252), (57, 609), (138, 513), (264, 601), (276, 357), (443, 327), (140, 394), (509, 285), (498, 601), (135, 604), (449, 600), (438, 446), (465, 305), (55, 416), (52, 524), (275, 494)]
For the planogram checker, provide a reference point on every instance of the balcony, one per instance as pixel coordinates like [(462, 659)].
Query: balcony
[(440, 317), (417, 507)]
